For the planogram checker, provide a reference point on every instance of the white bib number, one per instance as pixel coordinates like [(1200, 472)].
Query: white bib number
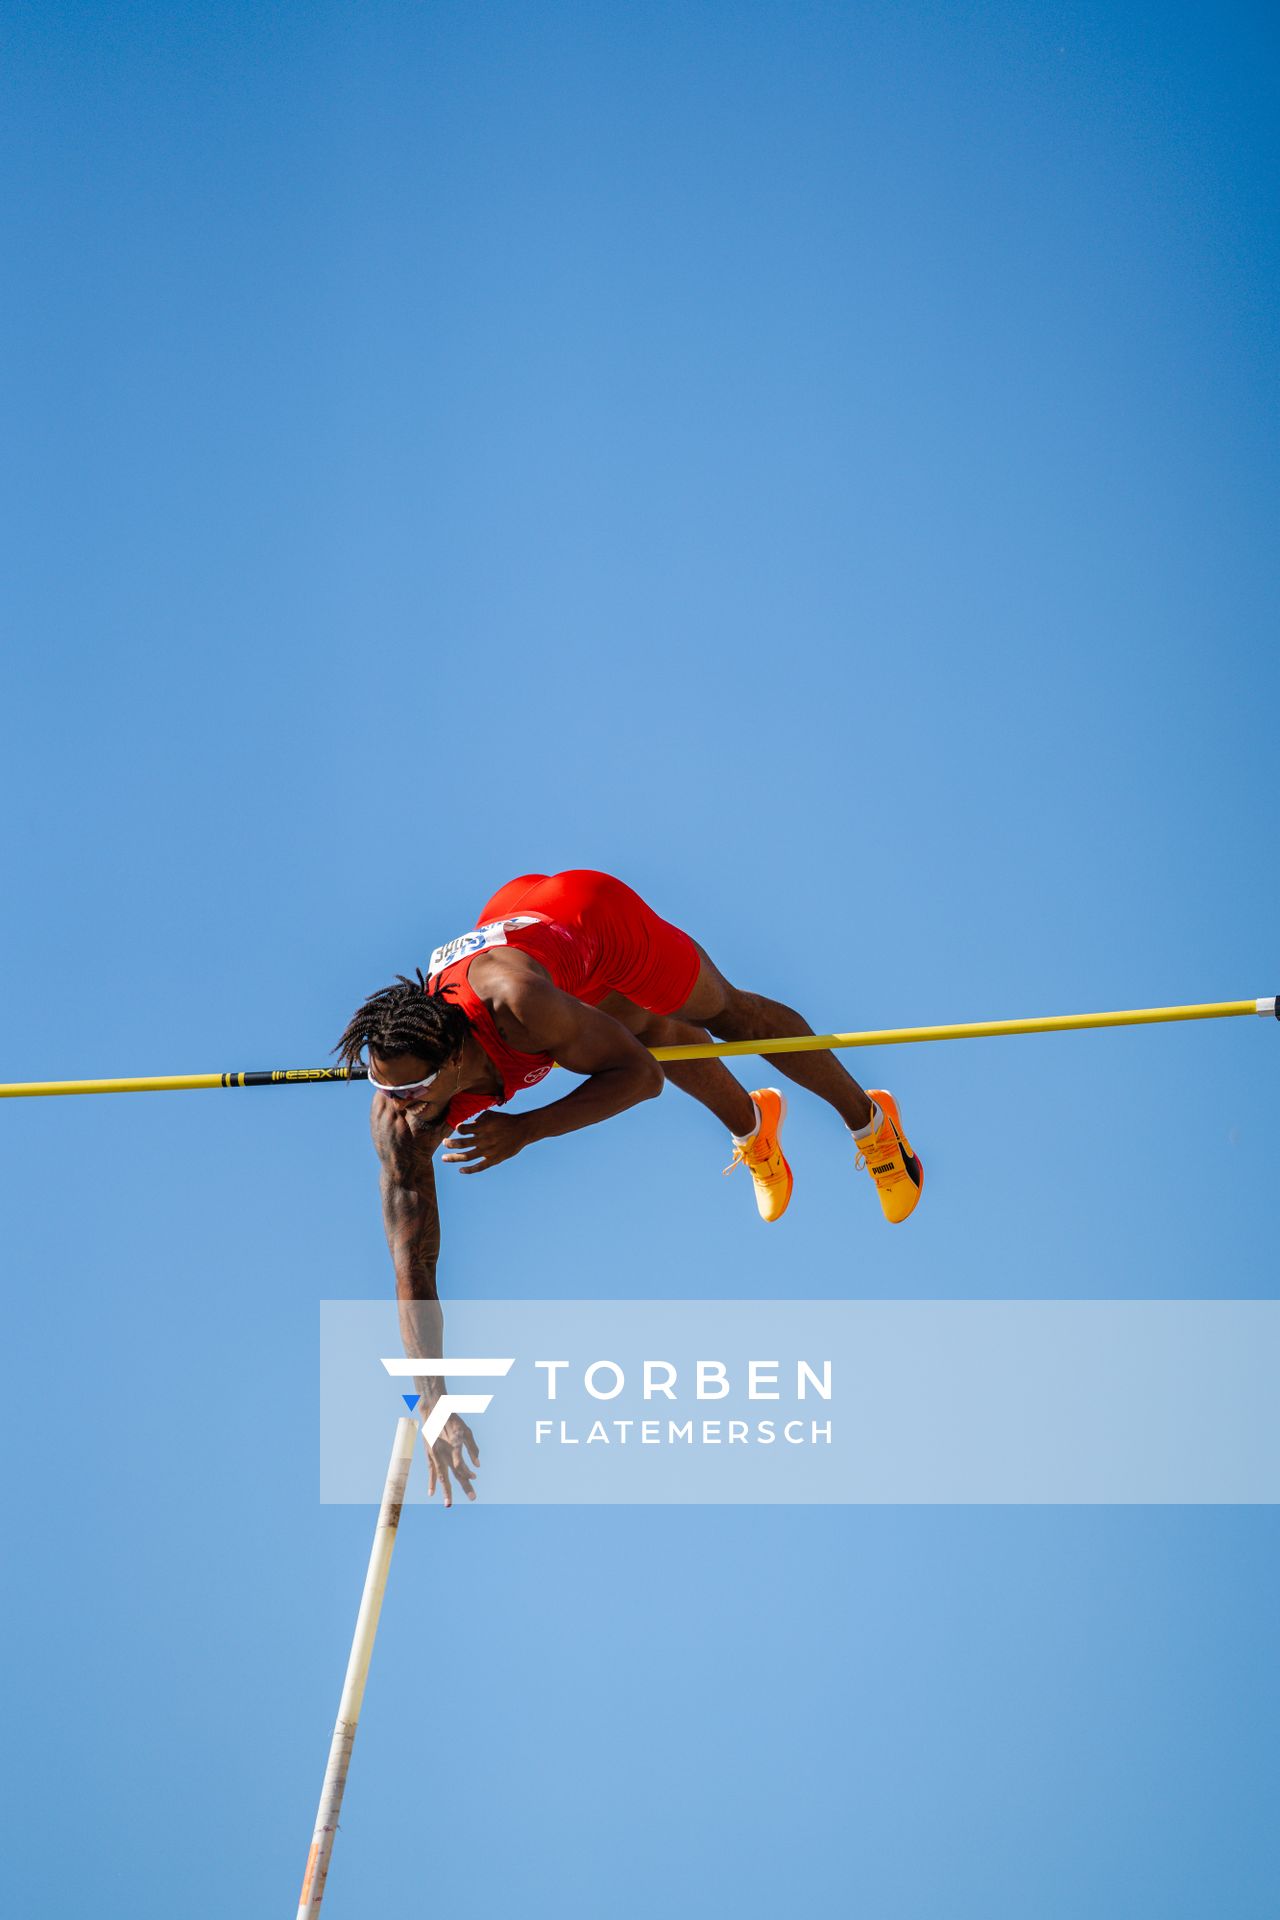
[(492, 934)]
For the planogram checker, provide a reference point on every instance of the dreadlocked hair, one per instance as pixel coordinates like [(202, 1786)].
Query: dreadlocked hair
[(409, 1017)]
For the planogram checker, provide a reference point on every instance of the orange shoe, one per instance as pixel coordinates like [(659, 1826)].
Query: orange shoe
[(762, 1156), (887, 1157)]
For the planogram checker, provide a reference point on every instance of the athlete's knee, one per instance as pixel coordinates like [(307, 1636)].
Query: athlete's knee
[(735, 1018), (664, 1030), (654, 1078), (657, 1083)]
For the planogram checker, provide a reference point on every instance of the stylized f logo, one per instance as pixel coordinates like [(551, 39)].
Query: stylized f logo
[(433, 1425)]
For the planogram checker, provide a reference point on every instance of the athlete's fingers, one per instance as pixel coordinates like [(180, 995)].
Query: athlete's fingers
[(445, 1483), (478, 1161), (487, 1144), (465, 1147)]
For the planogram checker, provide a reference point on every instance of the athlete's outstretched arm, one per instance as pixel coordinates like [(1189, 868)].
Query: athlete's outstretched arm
[(534, 1016), (405, 1144)]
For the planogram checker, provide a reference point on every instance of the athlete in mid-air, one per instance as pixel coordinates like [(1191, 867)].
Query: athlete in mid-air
[(573, 969)]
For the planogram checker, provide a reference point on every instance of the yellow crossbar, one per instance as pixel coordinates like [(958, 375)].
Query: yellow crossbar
[(798, 1043), (968, 1030)]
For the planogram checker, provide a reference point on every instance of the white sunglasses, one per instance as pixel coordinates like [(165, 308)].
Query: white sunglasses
[(405, 1088)]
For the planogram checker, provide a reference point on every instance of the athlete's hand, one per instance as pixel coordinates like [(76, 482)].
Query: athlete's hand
[(447, 1457), (488, 1140)]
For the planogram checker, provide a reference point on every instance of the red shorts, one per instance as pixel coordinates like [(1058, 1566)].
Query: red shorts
[(617, 943)]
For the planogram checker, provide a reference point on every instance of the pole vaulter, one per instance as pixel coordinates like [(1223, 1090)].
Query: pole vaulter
[(573, 970)]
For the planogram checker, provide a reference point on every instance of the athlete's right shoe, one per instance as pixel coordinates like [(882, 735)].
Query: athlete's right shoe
[(886, 1154), (762, 1156)]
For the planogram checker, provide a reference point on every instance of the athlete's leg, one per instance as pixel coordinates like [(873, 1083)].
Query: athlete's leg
[(672, 959), (732, 1014), (708, 1081)]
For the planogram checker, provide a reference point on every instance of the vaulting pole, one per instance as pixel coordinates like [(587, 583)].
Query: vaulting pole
[(182, 1082), (344, 1733), (801, 1043)]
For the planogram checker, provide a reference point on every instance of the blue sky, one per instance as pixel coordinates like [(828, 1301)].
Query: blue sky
[(819, 463)]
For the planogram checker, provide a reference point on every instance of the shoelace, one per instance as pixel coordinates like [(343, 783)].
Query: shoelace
[(742, 1158), (895, 1146)]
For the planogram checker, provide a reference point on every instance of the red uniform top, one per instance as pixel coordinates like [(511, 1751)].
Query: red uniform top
[(593, 935), (517, 1069)]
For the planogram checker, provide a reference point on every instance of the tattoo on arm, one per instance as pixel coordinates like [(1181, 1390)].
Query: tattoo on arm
[(411, 1217)]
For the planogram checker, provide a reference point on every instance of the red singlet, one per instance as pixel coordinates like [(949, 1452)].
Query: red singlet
[(593, 935)]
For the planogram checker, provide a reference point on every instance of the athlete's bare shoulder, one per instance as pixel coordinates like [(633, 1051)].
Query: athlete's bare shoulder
[(504, 974), (405, 1137), (529, 1009)]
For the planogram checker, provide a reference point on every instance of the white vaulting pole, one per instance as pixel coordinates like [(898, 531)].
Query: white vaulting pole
[(344, 1733)]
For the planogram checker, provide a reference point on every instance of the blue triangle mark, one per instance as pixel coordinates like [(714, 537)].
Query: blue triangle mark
[(411, 1400)]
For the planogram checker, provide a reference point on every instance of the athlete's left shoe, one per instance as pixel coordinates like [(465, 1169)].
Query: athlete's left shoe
[(762, 1156), (886, 1154)]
